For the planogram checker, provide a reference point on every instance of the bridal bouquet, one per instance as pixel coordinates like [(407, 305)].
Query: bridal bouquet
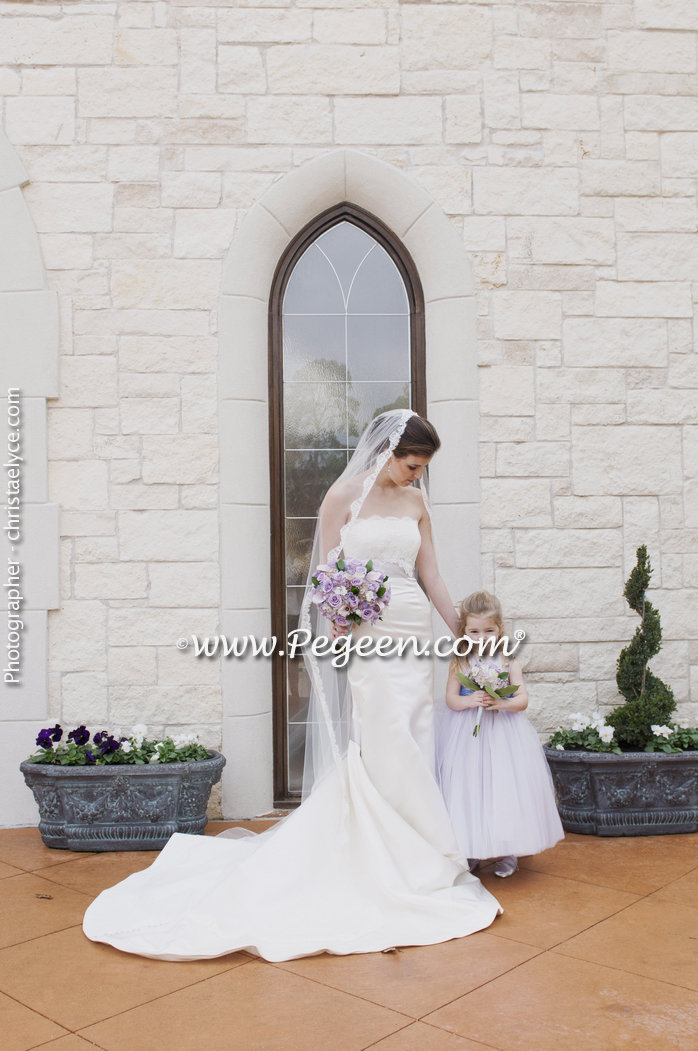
[(486, 675), (350, 592)]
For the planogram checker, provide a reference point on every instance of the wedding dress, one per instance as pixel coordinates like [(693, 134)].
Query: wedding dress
[(368, 862)]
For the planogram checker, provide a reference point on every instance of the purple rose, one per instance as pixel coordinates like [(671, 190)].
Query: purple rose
[(334, 601)]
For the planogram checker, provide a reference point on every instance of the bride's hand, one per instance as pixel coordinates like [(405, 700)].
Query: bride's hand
[(338, 631)]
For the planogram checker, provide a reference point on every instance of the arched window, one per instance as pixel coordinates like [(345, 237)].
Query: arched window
[(346, 342)]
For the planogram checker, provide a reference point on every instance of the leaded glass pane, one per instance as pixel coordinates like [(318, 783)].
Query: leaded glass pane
[(378, 287), (315, 415), (313, 281), (374, 398), (378, 347), (303, 335)]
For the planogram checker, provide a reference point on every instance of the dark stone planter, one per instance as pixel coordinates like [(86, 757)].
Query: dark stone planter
[(121, 807), (633, 794)]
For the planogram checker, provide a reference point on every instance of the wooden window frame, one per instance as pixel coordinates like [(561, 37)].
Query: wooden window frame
[(408, 271)]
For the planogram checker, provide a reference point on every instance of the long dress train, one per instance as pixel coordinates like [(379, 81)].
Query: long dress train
[(368, 862)]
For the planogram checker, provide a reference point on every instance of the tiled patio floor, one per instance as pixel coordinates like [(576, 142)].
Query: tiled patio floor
[(597, 948)]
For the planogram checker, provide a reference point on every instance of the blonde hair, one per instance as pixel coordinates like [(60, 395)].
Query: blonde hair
[(479, 604)]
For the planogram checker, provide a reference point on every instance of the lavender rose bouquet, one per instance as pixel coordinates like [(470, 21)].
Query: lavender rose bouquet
[(350, 592)]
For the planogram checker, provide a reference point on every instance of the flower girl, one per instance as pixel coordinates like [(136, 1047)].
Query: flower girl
[(490, 764)]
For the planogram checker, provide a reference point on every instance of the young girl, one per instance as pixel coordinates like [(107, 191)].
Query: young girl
[(496, 784)]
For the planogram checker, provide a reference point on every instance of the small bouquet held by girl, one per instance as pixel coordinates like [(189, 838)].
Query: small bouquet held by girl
[(350, 592), (488, 676)]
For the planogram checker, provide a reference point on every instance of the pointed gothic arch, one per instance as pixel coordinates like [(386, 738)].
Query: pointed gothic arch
[(348, 178)]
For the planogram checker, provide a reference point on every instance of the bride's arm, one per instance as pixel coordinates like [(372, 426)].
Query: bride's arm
[(431, 578)]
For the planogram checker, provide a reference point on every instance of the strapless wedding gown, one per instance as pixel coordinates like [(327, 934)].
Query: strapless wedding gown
[(368, 862)]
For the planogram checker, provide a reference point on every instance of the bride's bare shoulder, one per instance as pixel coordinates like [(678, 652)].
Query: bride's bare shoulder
[(417, 501)]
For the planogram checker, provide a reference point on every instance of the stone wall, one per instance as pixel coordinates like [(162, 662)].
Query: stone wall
[(559, 138)]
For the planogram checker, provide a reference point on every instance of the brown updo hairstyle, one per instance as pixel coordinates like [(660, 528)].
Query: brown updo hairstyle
[(419, 438)]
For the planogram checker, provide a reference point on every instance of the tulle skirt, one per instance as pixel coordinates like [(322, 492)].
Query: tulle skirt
[(497, 786)]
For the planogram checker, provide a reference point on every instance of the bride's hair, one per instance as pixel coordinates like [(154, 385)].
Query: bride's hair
[(419, 438), (479, 604)]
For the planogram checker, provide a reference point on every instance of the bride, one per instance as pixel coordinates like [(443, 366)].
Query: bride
[(369, 860)]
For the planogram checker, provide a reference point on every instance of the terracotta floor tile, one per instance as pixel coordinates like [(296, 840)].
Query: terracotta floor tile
[(256, 825), (638, 864), (252, 1007), (654, 938), (418, 979), (555, 1002), (77, 982), (31, 906), (543, 910), (92, 873), (9, 870), (23, 848), (72, 1042), (421, 1037), (683, 891), (23, 1028)]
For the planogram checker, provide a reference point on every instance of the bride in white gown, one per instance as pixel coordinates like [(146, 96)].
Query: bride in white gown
[(369, 860)]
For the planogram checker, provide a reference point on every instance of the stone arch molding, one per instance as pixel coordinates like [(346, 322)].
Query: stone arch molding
[(28, 360), (451, 373)]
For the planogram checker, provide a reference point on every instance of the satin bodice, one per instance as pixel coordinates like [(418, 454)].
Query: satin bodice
[(389, 540)]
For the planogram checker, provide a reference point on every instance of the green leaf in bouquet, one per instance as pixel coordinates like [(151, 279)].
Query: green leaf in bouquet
[(491, 692), (468, 682), (507, 691), (315, 581), (369, 565), (340, 563), (380, 592)]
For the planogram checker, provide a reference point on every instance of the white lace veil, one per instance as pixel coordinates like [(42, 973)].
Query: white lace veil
[(328, 728)]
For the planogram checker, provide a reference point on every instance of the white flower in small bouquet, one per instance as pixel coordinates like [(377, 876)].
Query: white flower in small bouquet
[(488, 676), (350, 592)]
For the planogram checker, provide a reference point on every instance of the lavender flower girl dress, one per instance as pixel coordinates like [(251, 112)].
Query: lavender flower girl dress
[(497, 786)]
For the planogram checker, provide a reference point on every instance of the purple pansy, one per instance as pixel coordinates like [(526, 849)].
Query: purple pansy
[(80, 735), (47, 736)]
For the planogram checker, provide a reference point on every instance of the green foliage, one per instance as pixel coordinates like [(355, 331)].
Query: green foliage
[(587, 739), (649, 701), (677, 737)]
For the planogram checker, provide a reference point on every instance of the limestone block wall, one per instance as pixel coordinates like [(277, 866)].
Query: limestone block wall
[(558, 137)]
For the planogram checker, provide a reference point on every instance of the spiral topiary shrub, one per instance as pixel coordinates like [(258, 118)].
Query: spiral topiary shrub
[(649, 701)]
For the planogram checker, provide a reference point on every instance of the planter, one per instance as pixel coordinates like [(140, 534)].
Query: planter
[(634, 794), (121, 807)]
